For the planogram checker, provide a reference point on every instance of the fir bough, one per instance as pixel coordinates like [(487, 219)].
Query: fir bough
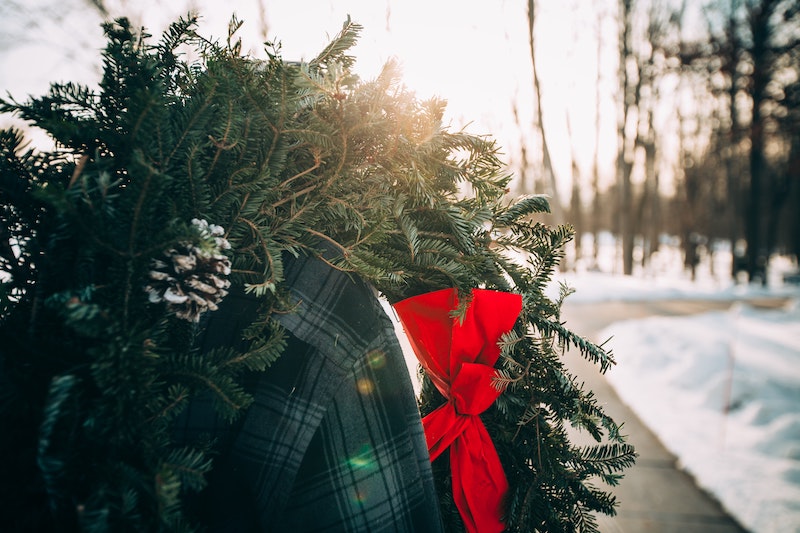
[(99, 256)]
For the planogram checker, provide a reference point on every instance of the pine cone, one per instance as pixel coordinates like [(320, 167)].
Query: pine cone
[(189, 279), (212, 230)]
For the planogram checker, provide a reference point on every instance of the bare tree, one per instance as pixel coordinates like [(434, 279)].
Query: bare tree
[(595, 217), (625, 146), (758, 17), (792, 127), (576, 202), (550, 177), (755, 52), (650, 69), (774, 45)]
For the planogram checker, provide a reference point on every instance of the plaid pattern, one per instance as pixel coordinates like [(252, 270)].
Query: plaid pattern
[(333, 440)]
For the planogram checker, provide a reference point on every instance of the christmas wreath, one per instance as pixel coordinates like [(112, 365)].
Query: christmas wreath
[(181, 179)]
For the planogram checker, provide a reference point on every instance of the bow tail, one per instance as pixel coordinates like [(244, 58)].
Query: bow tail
[(479, 483)]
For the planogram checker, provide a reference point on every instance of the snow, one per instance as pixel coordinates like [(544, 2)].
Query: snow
[(720, 389)]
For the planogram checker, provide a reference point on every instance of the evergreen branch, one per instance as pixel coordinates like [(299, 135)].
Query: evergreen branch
[(295, 195), (190, 465), (260, 239), (502, 380), (227, 399), (180, 397), (220, 145), (78, 170), (189, 128), (137, 210), (524, 205), (584, 520), (344, 250), (304, 160), (317, 163), (263, 353), (335, 50), (57, 436), (606, 459), (589, 350)]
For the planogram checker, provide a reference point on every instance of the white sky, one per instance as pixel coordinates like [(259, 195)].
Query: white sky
[(472, 53)]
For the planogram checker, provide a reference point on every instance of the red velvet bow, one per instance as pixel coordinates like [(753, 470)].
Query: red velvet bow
[(459, 358)]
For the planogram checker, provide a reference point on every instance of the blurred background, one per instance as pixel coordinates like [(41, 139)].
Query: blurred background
[(650, 123)]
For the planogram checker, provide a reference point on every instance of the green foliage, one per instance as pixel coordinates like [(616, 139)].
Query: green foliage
[(550, 478), (287, 158)]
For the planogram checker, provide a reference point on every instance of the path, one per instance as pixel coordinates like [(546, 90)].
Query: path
[(655, 496)]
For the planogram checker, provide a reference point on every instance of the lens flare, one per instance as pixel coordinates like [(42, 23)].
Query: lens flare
[(364, 459), (365, 386), (376, 359)]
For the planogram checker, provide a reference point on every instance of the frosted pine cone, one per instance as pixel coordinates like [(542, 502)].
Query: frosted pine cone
[(212, 230), (191, 280)]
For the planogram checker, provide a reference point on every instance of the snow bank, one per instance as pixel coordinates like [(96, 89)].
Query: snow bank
[(721, 390)]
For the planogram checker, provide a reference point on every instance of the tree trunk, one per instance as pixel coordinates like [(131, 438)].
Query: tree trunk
[(756, 260), (651, 198), (595, 217), (550, 177), (575, 203), (624, 167), (576, 212), (793, 168)]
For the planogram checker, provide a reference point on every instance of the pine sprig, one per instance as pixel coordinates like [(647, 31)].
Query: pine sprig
[(285, 158), (523, 206), (336, 50)]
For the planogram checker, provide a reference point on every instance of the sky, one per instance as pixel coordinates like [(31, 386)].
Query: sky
[(473, 53)]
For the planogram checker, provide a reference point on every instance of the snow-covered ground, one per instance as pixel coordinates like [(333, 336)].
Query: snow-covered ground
[(721, 390)]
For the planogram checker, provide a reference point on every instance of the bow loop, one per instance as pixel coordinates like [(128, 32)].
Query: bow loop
[(459, 357)]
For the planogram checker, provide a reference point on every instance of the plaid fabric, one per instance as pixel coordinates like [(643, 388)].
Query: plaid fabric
[(333, 440)]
